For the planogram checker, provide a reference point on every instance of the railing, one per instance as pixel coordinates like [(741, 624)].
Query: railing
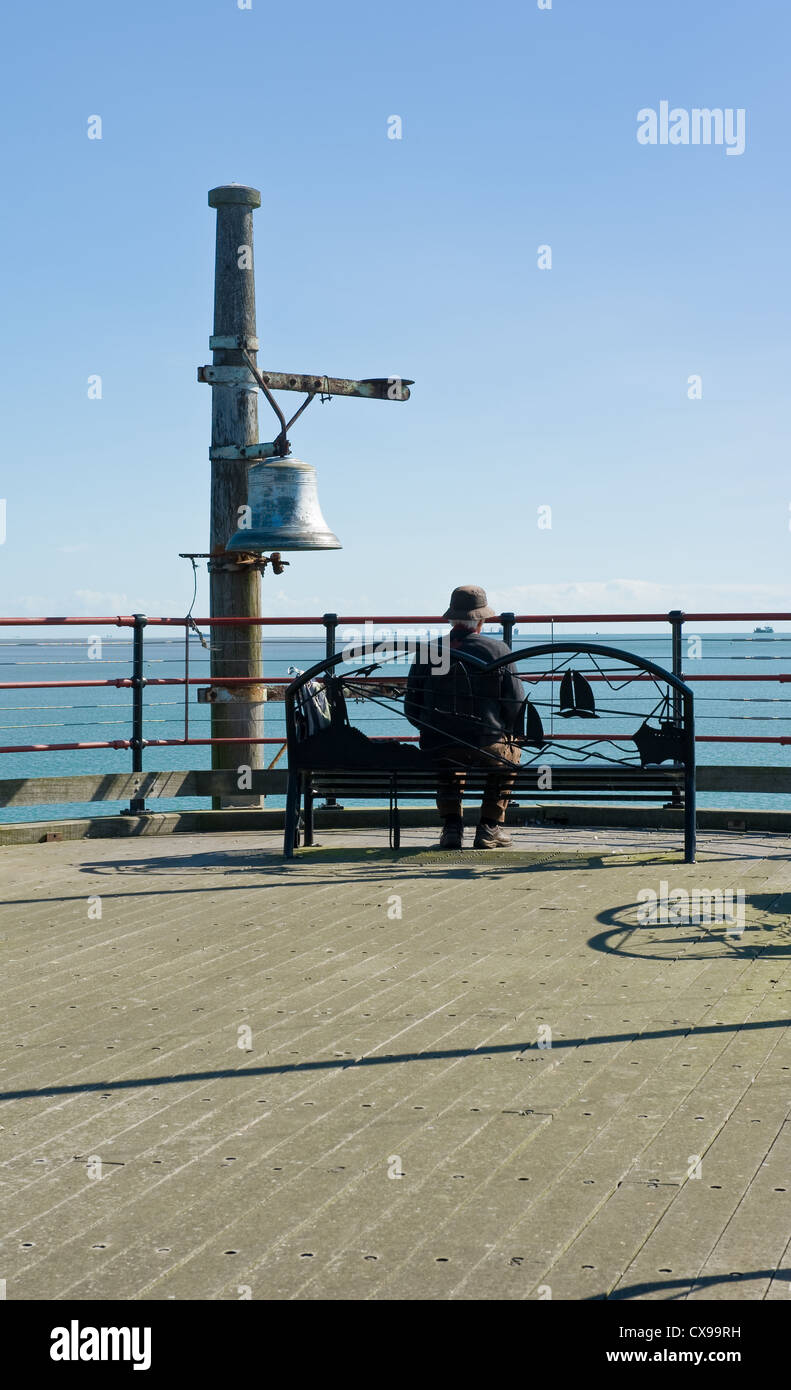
[(330, 623)]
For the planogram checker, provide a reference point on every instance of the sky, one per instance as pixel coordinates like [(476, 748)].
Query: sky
[(637, 388)]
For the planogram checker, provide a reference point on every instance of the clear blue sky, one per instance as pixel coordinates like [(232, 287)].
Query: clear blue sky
[(564, 387)]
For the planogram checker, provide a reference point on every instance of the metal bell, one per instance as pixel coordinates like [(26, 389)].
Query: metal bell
[(284, 510)]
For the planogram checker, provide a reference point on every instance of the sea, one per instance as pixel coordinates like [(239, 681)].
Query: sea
[(100, 713)]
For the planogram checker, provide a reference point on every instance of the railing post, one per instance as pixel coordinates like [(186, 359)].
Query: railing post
[(137, 804), (676, 620), (508, 620), (330, 621)]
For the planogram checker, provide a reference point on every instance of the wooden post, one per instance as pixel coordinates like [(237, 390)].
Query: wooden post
[(234, 591)]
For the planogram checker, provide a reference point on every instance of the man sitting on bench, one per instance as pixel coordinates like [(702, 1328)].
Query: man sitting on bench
[(469, 718)]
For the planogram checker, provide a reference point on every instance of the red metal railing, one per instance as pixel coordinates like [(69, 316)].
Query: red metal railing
[(331, 622)]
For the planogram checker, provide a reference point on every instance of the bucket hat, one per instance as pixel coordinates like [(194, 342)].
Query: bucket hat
[(469, 601)]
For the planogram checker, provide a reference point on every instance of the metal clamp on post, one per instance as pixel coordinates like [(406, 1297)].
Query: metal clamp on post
[(243, 451), (241, 377), (232, 342), (234, 561)]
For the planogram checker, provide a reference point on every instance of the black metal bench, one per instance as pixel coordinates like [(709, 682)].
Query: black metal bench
[(338, 761)]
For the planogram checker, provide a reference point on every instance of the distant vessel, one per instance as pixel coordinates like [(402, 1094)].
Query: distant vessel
[(765, 629)]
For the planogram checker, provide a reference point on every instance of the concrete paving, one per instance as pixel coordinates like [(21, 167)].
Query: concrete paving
[(369, 1074)]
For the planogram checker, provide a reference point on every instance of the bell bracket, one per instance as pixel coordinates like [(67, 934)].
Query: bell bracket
[(249, 377)]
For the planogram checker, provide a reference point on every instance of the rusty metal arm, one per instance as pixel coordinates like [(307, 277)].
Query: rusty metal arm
[(382, 388), (379, 388)]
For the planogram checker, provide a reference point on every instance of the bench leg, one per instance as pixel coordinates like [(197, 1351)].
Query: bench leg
[(290, 835), (689, 818), (394, 820), (308, 814)]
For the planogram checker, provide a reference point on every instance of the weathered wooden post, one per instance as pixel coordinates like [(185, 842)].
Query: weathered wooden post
[(289, 516), (235, 586)]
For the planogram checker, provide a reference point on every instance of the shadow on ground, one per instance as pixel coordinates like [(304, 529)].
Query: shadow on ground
[(559, 1044), (760, 926), (680, 1288)]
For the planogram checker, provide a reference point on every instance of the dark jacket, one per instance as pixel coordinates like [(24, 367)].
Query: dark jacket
[(466, 705)]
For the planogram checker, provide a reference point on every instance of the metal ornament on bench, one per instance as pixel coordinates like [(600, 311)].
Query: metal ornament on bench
[(284, 510), (576, 697)]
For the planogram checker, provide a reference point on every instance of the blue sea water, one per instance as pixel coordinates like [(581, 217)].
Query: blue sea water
[(76, 715)]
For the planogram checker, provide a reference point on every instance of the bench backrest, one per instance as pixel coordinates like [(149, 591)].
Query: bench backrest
[(573, 673)]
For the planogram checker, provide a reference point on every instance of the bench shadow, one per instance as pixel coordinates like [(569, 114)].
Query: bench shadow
[(764, 913), (362, 858), (269, 869)]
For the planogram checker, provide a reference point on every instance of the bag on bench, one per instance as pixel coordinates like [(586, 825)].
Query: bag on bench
[(311, 707)]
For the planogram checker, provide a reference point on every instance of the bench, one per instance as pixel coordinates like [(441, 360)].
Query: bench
[(650, 764)]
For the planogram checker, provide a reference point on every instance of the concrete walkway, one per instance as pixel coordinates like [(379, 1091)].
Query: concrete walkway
[(369, 1074)]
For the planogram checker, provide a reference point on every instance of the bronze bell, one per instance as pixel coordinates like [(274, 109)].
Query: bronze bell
[(284, 510)]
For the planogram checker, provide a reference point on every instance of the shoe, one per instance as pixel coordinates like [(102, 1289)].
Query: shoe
[(452, 834), (489, 836)]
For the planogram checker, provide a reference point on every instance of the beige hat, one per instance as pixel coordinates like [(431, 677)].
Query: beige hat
[(470, 602)]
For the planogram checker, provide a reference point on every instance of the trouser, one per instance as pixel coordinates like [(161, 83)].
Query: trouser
[(497, 789)]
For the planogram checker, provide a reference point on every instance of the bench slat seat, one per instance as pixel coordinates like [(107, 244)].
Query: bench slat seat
[(331, 782)]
